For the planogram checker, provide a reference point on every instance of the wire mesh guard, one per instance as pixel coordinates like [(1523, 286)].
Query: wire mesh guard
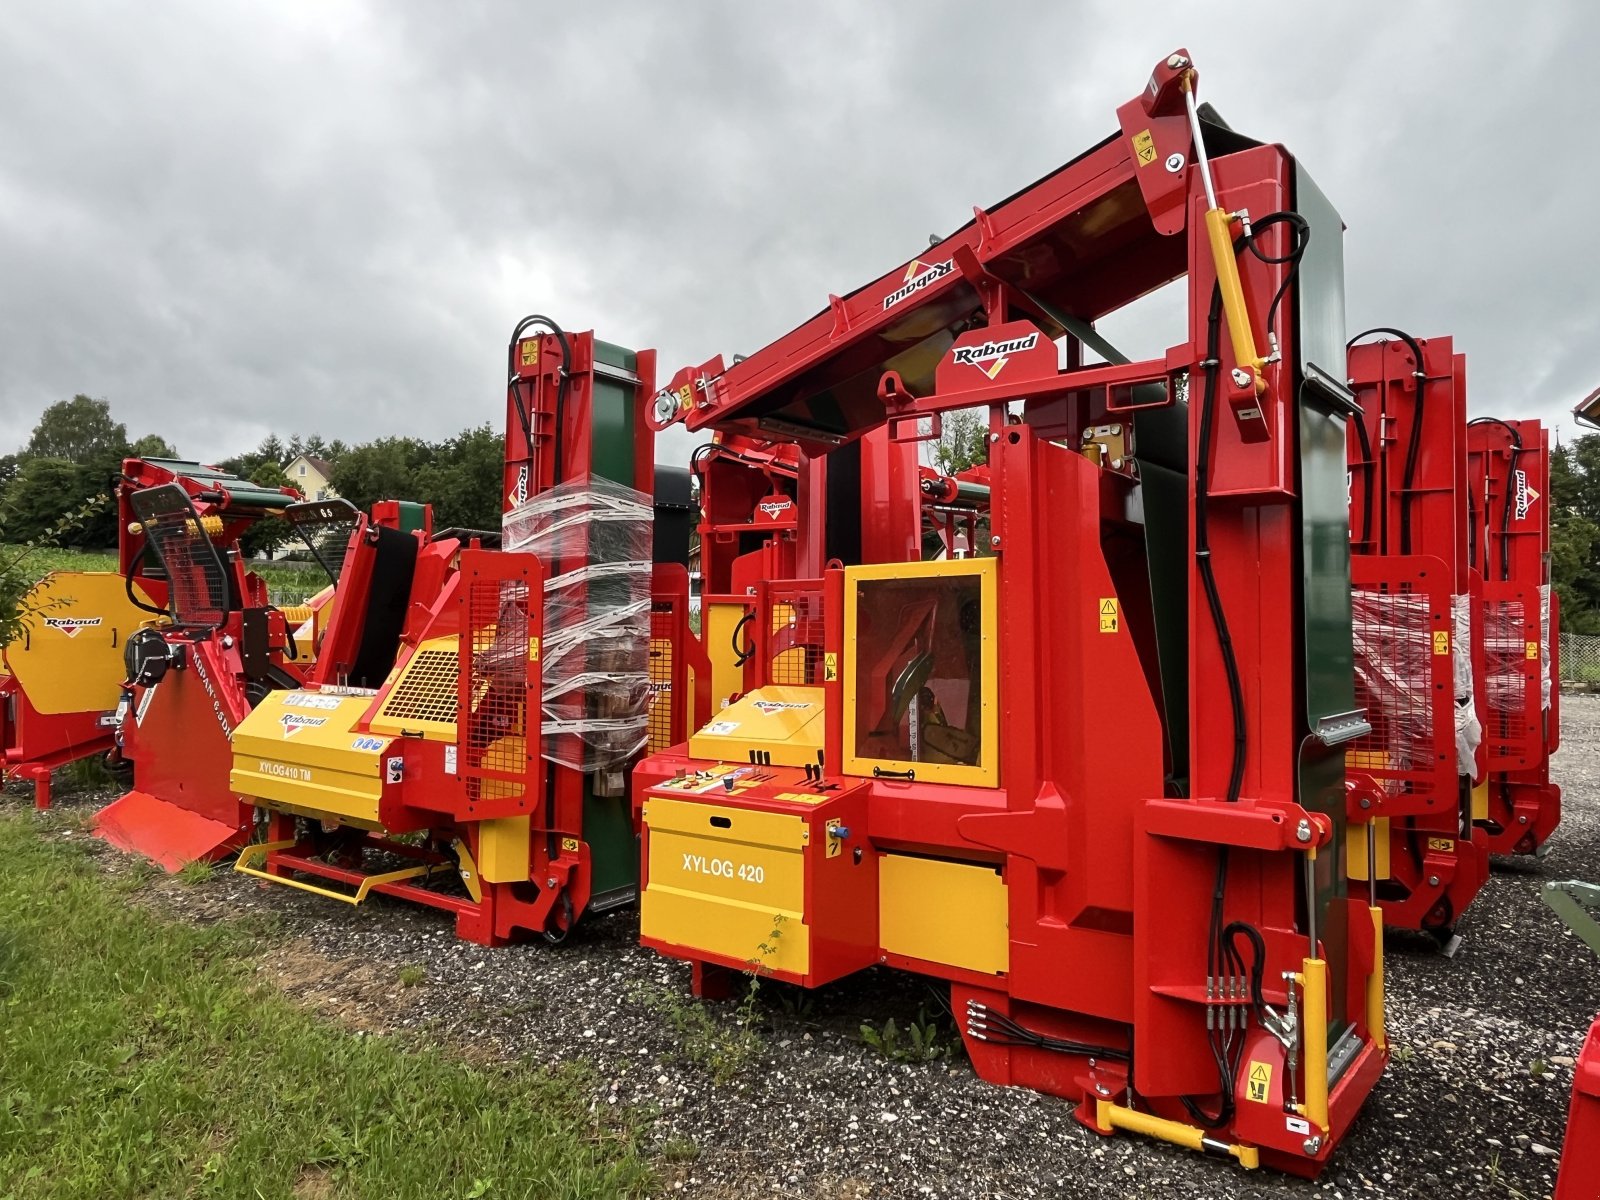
[(425, 691), (325, 526), (501, 683), (1507, 658), (663, 721), (594, 538), (795, 633), (197, 582), (1395, 683)]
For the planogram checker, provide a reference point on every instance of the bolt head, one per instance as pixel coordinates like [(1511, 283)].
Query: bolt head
[(1366, 802), (995, 541), (664, 408), (550, 882), (1176, 62), (994, 437), (1302, 831), (1241, 377), (1311, 1145), (1433, 881), (1522, 820)]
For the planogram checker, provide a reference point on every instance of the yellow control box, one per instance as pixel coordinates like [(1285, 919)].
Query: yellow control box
[(299, 751), (774, 725)]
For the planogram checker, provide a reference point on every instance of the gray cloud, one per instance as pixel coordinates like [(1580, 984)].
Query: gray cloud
[(232, 219)]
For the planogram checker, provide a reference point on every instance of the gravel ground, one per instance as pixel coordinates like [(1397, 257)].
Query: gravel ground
[(1473, 1104)]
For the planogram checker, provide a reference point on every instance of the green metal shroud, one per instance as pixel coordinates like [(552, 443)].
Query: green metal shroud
[(607, 827), (1328, 655)]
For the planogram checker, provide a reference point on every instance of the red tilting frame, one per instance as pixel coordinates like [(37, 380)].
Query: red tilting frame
[(181, 807), (1509, 462), (1110, 874), (1408, 517)]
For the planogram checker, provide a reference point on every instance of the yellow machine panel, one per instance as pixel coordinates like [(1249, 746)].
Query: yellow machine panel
[(69, 658), (943, 912), (721, 879), (299, 751), (921, 679), (1480, 801), (782, 724), (1355, 849), (727, 676), (503, 849), (423, 698)]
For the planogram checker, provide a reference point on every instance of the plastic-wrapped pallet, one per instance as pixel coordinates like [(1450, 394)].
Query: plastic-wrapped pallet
[(1469, 730), (1394, 662), (1544, 645), (594, 538)]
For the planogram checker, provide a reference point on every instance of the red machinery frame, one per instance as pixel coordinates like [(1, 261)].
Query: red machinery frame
[(1110, 871), (1410, 570), (1510, 465)]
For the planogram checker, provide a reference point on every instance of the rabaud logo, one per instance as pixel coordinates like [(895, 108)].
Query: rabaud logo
[(991, 357), (775, 508), (1525, 495), (293, 723), (71, 625), (918, 276)]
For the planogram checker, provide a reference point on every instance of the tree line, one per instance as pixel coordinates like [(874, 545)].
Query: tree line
[(72, 460), (76, 450)]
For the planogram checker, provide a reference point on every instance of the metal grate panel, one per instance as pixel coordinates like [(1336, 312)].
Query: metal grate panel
[(1401, 629), (197, 580), (795, 634), (663, 702), (1511, 641), (498, 681), (425, 693), (325, 526)]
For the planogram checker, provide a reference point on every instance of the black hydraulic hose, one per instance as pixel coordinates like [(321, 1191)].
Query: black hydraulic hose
[(524, 417), (1414, 445), (1513, 454), (740, 657), (1369, 481)]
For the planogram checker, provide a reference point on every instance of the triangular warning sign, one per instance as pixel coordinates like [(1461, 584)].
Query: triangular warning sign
[(1260, 1073), (1108, 608)]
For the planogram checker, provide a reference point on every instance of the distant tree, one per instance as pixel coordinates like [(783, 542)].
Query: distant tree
[(963, 441), (1575, 532), (152, 445), (463, 482), (44, 490), (79, 430), (387, 469)]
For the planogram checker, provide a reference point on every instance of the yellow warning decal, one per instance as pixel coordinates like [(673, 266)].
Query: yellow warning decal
[(1444, 845), (1144, 148), (1259, 1082), (533, 649), (1532, 650), (570, 845), (685, 397), (830, 667), (1441, 641), (1109, 619), (530, 353)]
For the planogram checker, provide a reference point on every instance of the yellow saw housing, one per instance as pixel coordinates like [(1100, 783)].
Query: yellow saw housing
[(69, 657)]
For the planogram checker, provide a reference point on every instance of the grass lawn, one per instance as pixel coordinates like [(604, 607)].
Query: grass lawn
[(287, 582), (140, 1057)]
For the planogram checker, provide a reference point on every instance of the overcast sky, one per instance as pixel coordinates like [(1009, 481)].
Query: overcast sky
[(234, 218)]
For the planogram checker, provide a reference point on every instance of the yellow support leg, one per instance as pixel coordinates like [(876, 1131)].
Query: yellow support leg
[(1315, 973), (252, 858), (1375, 1025), (1191, 1137)]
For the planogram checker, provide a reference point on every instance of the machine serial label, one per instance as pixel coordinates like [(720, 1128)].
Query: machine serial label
[(284, 771), (1259, 1082), (723, 868), (310, 700), (1109, 618), (1441, 641)]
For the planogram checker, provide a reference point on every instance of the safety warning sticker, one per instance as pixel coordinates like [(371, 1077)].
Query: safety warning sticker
[(1441, 641), (1109, 617), (1259, 1082), (1144, 148)]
